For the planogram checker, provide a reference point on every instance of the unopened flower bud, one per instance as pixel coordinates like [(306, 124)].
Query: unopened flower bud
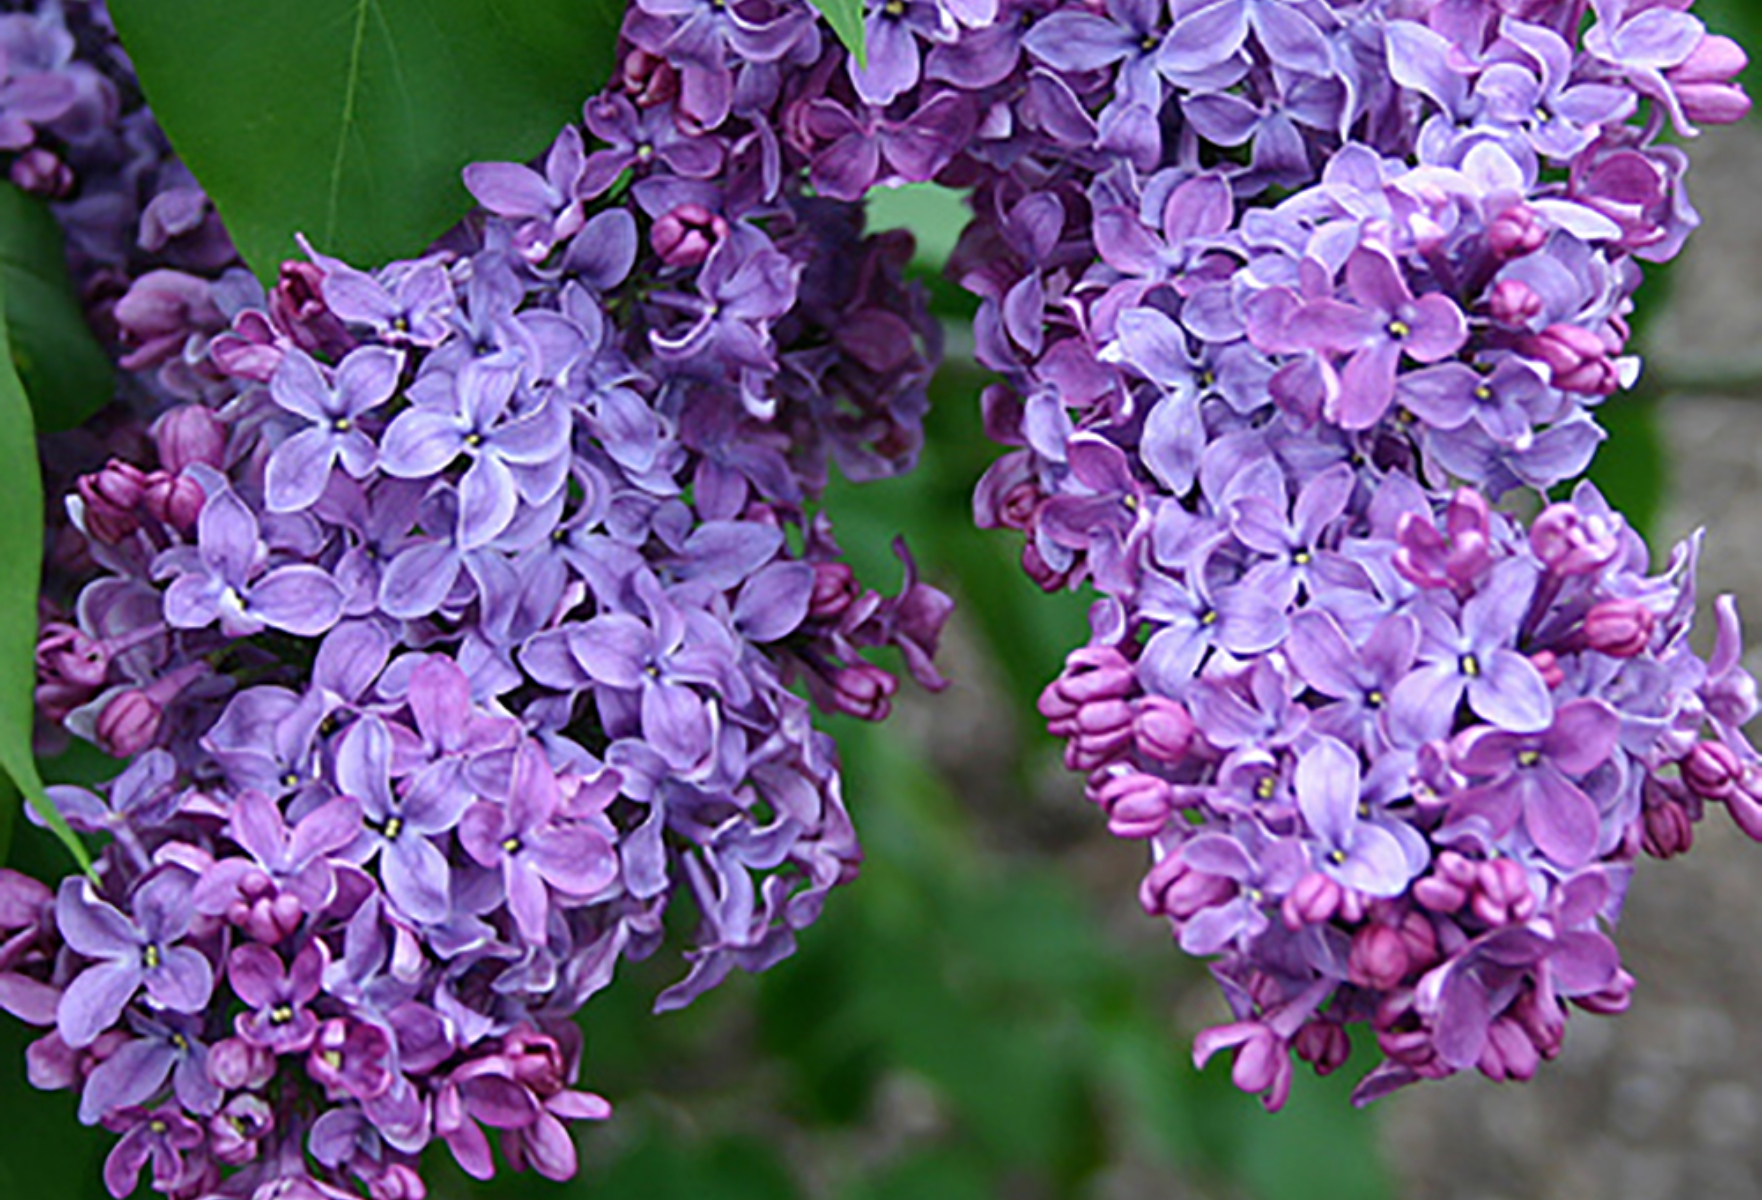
[(397, 1181), (1613, 999), (1503, 893), (1378, 959), (1313, 899), (1137, 805), (1091, 673), (648, 79), (1174, 889), (684, 236), (174, 500), (1020, 504), (835, 588), (863, 691), (1668, 830), (1704, 82), (1513, 303), (1162, 729), (1576, 358), (129, 723), (1516, 232), (1044, 575), (1547, 665), (1324, 1044), (41, 173), (189, 433), (296, 304), (1508, 1053), (1619, 628), (67, 654), (1744, 804), (1712, 770)]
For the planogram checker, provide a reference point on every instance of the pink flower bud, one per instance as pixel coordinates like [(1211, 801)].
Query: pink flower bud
[(1742, 803), (1315, 898), (129, 723), (537, 1061), (1619, 628), (397, 1182), (119, 484), (67, 655), (835, 587), (648, 79), (1712, 770), (1508, 1053), (1137, 805), (1513, 303), (1576, 358), (1516, 232), (1378, 959), (1162, 729), (863, 691), (1439, 894), (1547, 665), (189, 433), (41, 173), (684, 236), (1173, 889), (175, 501), (1704, 82), (1325, 1044), (1420, 940), (1095, 673), (1668, 830), (296, 305)]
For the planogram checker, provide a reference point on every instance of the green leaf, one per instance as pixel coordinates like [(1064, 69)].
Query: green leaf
[(65, 371), (846, 19), (350, 120), (21, 562), (935, 215)]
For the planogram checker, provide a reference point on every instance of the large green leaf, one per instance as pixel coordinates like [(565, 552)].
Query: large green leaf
[(350, 120), (65, 371), (21, 562)]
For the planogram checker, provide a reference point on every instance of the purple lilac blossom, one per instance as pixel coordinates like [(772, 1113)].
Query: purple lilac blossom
[(466, 615), (1393, 750)]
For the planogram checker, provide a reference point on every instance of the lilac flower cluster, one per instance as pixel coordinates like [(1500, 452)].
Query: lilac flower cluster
[(451, 618), (1284, 297)]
